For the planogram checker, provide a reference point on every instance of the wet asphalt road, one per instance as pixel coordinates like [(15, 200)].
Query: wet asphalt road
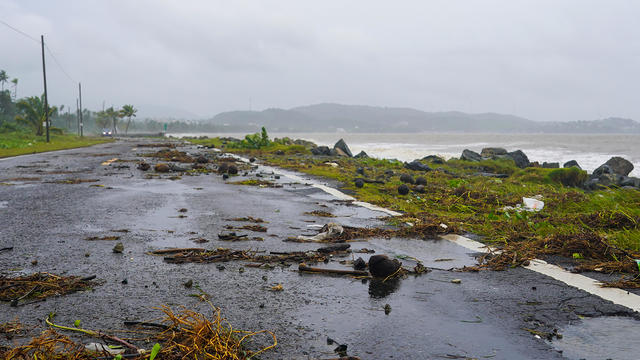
[(483, 317)]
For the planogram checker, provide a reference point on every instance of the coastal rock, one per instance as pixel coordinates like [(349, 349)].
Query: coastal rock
[(359, 264), (342, 146), (381, 266), (630, 181), (321, 150), (338, 152), (359, 183), (361, 155), (492, 151), (305, 143), (433, 159), (469, 155), (406, 178), (421, 181), (550, 165), (571, 163), (620, 165), (176, 168), (223, 167), (144, 166), (233, 170), (202, 160), (419, 189), (403, 189), (520, 158), (417, 166), (602, 170), (162, 167)]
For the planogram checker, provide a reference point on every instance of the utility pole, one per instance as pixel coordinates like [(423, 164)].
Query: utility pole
[(77, 118), (81, 115), (44, 75)]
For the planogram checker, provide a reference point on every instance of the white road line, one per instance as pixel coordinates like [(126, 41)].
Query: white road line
[(616, 296)]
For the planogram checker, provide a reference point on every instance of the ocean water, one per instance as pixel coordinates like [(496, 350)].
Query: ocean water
[(589, 150)]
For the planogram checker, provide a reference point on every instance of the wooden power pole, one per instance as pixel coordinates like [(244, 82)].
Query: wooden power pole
[(81, 115), (44, 75)]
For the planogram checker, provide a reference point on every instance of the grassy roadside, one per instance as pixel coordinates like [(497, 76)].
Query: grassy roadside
[(15, 143), (597, 229)]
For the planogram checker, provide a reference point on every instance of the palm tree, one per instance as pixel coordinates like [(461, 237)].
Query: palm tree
[(3, 78), (31, 113), (128, 111), (15, 88)]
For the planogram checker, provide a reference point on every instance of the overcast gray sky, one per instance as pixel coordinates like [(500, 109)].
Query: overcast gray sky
[(544, 60)]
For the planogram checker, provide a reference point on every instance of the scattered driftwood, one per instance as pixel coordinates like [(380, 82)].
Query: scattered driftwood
[(257, 228), (94, 238), (247, 219), (303, 267), (176, 250)]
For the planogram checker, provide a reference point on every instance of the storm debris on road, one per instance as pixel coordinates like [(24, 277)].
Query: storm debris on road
[(40, 286)]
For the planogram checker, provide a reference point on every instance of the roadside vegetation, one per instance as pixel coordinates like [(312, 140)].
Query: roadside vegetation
[(599, 230)]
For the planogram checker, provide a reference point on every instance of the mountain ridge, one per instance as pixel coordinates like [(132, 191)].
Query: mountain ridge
[(330, 117)]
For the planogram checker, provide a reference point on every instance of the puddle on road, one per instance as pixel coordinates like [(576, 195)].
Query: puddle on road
[(606, 337), (441, 254)]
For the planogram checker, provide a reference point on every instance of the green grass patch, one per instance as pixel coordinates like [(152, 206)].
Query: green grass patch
[(18, 143)]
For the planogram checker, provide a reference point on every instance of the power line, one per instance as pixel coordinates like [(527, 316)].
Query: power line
[(20, 32), (55, 59), (58, 63)]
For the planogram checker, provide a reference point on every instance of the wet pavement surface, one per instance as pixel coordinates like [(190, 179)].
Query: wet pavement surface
[(484, 316)]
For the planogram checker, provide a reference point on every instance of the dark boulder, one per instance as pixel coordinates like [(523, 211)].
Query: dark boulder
[(362, 155), (630, 181), (202, 160), (389, 172), (381, 266), (162, 167), (492, 151), (223, 167), (419, 189), (416, 165), (520, 158), (359, 183), (403, 189), (225, 176), (342, 146), (620, 165), (571, 163), (321, 150), (469, 155), (233, 170), (144, 166), (359, 264), (433, 159), (360, 171), (550, 165), (176, 168), (421, 181), (602, 170), (252, 159), (406, 178)]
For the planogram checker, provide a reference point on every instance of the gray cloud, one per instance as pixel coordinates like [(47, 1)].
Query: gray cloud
[(546, 60)]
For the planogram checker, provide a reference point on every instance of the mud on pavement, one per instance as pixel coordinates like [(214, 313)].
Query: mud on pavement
[(65, 212)]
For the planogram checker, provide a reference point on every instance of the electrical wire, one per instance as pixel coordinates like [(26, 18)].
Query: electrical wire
[(55, 59)]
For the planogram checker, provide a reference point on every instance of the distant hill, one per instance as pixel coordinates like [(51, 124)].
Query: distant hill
[(358, 118)]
